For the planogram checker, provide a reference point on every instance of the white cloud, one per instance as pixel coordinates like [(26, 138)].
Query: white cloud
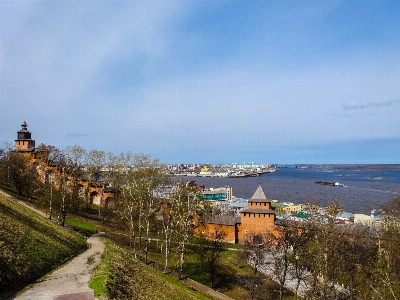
[(361, 105), (155, 75)]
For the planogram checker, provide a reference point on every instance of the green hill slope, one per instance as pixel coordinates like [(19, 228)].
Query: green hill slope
[(30, 245), (127, 278)]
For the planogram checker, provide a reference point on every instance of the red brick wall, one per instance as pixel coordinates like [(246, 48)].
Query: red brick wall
[(209, 229), (255, 223), (24, 144), (259, 205)]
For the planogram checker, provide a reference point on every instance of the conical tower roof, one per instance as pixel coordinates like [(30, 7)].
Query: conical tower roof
[(259, 194), (255, 203)]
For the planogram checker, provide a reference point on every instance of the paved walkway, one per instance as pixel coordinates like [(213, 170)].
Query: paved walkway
[(72, 278), (25, 204)]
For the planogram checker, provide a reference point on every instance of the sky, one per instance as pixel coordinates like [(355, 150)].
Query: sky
[(205, 81)]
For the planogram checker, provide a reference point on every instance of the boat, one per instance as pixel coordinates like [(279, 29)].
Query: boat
[(238, 175), (325, 183), (330, 183)]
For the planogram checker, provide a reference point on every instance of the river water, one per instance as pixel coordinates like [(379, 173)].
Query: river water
[(364, 189)]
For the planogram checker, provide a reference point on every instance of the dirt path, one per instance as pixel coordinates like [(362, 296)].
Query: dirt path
[(72, 278)]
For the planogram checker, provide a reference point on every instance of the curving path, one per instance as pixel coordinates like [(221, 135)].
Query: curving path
[(74, 277)]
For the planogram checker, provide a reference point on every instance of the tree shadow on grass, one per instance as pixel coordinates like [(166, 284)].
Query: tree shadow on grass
[(225, 278), (195, 271)]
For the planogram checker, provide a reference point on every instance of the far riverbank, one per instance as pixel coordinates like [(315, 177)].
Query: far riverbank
[(365, 189)]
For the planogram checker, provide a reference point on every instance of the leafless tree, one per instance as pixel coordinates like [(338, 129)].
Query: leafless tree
[(5, 151), (254, 250), (278, 244), (94, 162), (148, 178), (127, 206), (69, 171), (360, 252), (324, 250), (188, 202), (387, 269), (211, 247), (48, 156), (167, 217)]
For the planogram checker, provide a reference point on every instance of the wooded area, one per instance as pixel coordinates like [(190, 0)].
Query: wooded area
[(317, 259)]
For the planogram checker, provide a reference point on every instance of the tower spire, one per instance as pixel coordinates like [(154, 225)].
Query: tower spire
[(24, 126)]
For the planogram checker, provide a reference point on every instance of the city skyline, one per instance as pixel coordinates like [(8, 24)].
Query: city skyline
[(206, 81)]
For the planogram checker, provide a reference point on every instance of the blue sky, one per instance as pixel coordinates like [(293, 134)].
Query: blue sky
[(205, 81)]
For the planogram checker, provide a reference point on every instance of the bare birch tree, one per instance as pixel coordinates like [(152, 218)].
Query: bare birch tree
[(48, 156), (148, 177), (189, 202), (167, 216), (127, 205), (62, 199), (95, 161)]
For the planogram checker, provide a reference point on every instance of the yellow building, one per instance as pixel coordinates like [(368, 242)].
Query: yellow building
[(286, 207)]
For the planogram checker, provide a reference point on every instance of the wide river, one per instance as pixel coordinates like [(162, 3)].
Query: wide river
[(364, 190)]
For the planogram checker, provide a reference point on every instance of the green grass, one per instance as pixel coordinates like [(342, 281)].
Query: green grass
[(226, 280), (31, 245), (86, 228), (121, 276), (101, 273)]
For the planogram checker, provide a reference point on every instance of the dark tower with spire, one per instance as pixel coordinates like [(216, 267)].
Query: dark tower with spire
[(24, 141)]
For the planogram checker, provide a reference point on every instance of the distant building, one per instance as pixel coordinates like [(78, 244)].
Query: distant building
[(345, 218), (286, 207), (367, 220), (218, 194)]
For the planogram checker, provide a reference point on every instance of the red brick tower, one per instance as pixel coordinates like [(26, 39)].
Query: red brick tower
[(24, 143), (258, 217)]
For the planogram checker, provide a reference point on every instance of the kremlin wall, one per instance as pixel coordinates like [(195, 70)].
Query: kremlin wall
[(95, 193), (258, 217)]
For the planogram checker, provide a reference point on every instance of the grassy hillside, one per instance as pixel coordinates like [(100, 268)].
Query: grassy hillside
[(120, 276), (30, 245)]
